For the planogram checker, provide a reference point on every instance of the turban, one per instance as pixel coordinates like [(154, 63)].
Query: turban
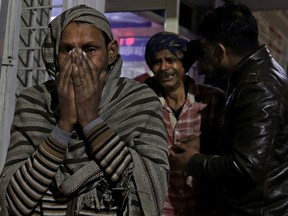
[(80, 13), (171, 42)]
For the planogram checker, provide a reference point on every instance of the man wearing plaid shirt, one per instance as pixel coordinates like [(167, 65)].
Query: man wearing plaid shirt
[(191, 115)]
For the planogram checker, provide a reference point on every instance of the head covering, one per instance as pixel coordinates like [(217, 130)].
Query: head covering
[(170, 41), (81, 13)]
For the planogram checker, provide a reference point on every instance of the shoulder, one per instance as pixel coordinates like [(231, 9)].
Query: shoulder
[(210, 91), (128, 85), (154, 85), (38, 95), (46, 87), (214, 97), (128, 89)]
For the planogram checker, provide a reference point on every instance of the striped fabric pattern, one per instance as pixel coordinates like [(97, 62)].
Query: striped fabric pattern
[(120, 162), (127, 152)]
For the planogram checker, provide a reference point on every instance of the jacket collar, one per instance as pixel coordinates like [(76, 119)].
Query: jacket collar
[(245, 70)]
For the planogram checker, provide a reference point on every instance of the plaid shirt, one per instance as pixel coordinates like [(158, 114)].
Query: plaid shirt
[(199, 116)]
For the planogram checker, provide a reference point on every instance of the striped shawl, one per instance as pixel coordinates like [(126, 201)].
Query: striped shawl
[(126, 151), (130, 110)]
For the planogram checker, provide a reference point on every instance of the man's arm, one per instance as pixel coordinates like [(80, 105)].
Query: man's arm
[(254, 120)]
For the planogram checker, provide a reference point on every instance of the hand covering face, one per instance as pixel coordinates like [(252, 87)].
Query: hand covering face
[(80, 13), (132, 121)]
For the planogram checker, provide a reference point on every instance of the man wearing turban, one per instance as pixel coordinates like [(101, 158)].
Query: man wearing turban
[(191, 112)]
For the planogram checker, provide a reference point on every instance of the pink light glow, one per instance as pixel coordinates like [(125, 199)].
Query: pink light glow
[(130, 41)]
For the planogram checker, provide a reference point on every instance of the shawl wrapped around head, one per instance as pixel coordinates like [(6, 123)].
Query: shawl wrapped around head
[(130, 109), (80, 13), (171, 42)]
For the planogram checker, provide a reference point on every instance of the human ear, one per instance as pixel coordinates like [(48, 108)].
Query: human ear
[(112, 51), (220, 52)]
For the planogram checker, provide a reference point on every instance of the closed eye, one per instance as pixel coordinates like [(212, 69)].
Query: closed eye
[(65, 49), (171, 60), (168, 60), (90, 50)]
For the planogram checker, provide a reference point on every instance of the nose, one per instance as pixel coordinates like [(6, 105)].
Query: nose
[(164, 65)]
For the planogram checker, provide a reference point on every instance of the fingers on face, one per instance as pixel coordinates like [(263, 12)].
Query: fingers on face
[(63, 77), (76, 69), (82, 72), (79, 63), (77, 82), (90, 68)]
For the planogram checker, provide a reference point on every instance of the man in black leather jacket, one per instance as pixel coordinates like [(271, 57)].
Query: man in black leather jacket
[(252, 166)]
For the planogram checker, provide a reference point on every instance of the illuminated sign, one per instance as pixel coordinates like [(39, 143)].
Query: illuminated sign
[(132, 49)]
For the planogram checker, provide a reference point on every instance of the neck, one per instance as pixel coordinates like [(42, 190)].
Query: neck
[(175, 98)]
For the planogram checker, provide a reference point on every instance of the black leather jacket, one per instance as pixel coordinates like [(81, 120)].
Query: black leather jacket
[(253, 165)]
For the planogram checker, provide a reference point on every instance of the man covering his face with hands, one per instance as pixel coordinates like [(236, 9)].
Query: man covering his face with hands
[(86, 142)]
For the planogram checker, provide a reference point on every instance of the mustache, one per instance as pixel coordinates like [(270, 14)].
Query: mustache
[(166, 74)]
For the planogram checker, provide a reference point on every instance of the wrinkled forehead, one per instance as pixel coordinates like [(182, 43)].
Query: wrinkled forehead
[(167, 54), (80, 28)]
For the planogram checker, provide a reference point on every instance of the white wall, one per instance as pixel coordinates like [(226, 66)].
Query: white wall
[(8, 73)]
